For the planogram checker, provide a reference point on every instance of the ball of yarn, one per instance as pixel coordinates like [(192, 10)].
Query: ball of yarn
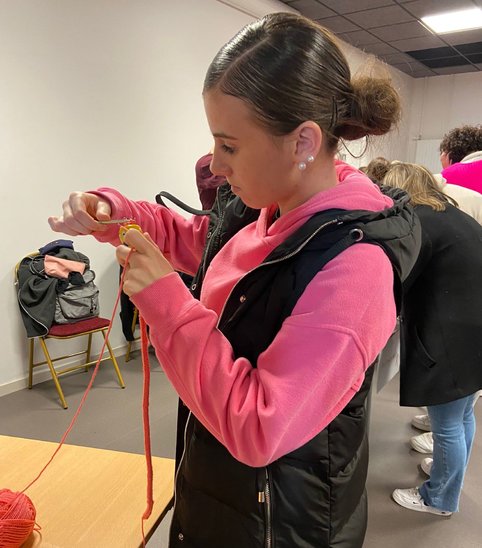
[(17, 518)]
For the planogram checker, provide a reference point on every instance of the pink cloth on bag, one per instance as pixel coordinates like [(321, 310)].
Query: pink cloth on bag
[(61, 268)]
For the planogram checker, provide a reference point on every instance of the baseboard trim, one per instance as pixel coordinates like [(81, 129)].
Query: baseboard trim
[(43, 374)]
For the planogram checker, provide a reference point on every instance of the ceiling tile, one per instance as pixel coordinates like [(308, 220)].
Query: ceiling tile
[(455, 70), (396, 58), (413, 67), (446, 62), (413, 29), (390, 15), (421, 8), (475, 58), (465, 37), (359, 38), (418, 43), (417, 73), (350, 6), (379, 49), (312, 9), (338, 24), (466, 49)]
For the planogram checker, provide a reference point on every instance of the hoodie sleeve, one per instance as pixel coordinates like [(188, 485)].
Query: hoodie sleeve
[(181, 240), (312, 369)]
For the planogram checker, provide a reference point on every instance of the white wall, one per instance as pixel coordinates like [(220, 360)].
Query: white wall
[(442, 103), (108, 92), (98, 92)]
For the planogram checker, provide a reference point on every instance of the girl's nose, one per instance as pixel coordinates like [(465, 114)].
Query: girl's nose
[(218, 166)]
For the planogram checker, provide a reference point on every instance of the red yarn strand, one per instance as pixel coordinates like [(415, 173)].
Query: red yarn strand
[(145, 418)]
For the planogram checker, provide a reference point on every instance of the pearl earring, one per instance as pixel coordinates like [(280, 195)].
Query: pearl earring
[(309, 160)]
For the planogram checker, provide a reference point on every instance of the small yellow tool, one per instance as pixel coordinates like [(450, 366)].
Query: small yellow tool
[(124, 228), (125, 225)]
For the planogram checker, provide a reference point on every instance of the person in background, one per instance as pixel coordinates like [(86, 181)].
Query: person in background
[(377, 169), (273, 360), (441, 347), (461, 179), (461, 157)]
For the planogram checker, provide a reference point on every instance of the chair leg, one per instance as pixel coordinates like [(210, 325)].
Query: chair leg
[(128, 351), (30, 362), (114, 361), (53, 372), (89, 348)]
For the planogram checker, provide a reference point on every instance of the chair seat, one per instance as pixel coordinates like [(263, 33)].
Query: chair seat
[(71, 329)]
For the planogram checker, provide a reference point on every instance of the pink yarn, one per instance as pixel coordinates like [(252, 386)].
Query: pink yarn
[(17, 518)]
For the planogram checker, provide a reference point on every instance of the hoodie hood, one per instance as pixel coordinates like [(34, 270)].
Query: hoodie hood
[(353, 191), (467, 173), (383, 214)]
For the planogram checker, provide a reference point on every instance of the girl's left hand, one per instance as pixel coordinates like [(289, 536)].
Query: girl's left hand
[(146, 262)]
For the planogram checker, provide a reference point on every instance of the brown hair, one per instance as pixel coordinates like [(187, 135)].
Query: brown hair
[(290, 69), (419, 183), (461, 141), (377, 169)]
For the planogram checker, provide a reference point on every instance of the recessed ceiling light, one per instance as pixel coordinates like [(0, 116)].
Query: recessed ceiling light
[(454, 21)]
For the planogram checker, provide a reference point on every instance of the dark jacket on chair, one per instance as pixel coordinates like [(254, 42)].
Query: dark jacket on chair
[(37, 292)]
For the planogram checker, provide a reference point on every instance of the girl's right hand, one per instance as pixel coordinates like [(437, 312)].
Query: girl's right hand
[(81, 213)]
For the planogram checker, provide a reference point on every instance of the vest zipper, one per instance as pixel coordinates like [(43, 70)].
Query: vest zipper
[(178, 468), (264, 497), (334, 221)]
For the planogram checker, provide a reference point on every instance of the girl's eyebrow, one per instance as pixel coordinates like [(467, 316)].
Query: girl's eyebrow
[(224, 136)]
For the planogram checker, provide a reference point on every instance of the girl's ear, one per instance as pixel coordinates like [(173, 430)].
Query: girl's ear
[(309, 139)]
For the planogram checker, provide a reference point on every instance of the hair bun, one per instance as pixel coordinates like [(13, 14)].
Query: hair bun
[(375, 109)]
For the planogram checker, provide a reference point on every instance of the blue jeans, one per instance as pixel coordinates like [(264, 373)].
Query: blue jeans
[(453, 427)]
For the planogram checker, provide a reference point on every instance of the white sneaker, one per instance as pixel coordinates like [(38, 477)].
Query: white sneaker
[(411, 499), (422, 422), (426, 465), (423, 443)]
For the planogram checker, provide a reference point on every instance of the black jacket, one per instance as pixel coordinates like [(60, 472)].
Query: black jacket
[(441, 323), (314, 496), (37, 292)]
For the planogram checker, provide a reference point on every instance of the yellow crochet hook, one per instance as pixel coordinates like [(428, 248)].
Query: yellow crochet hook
[(124, 228)]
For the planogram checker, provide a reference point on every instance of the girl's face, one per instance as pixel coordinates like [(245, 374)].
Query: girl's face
[(261, 168)]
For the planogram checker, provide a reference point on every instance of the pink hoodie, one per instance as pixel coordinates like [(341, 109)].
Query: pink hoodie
[(318, 359), (466, 174)]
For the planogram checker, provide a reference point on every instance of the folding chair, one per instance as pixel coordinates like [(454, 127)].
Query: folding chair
[(87, 328)]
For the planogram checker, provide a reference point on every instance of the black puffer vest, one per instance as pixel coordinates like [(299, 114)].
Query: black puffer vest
[(314, 496)]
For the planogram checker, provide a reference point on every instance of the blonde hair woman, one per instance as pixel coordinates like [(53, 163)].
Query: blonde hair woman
[(440, 336)]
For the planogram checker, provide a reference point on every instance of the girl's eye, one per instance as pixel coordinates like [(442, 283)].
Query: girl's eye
[(228, 150)]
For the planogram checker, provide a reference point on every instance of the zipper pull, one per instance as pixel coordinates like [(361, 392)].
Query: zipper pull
[(261, 485)]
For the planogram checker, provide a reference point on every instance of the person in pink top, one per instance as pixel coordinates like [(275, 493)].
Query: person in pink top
[(297, 273), (461, 157)]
